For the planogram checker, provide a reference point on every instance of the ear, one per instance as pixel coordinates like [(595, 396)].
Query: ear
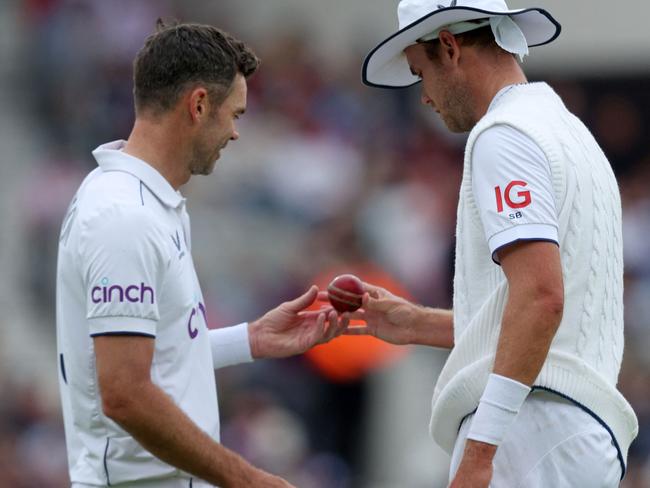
[(449, 47), (198, 103)]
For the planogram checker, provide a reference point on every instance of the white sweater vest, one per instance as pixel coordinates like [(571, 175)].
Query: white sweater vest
[(585, 355)]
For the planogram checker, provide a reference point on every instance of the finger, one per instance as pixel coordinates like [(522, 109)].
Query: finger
[(357, 330), (359, 314), (322, 296), (332, 328), (303, 301), (368, 302), (309, 314), (343, 323), (323, 337), (316, 331), (320, 328)]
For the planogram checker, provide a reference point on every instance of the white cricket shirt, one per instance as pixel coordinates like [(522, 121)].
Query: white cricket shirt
[(125, 267)]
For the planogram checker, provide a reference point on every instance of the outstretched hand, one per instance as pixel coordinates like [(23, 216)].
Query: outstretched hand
[(290, 329), (387, 316)]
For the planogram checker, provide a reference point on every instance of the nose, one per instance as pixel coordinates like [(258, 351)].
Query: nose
[(425, 99), (234, 136)]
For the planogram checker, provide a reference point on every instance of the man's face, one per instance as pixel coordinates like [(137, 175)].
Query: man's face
[(443, 88), (219, 128)]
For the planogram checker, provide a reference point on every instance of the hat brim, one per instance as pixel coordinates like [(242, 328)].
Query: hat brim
[(386, 66)]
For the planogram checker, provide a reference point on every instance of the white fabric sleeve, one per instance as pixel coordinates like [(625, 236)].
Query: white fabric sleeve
[(230, 345), (512, 186), (124, 262)]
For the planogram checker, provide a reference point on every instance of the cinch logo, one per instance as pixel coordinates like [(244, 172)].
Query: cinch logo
[(131, 293), (192, 331), (524, 196)]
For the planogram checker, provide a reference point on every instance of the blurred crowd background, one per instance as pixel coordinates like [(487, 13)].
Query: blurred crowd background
[(328, 177)]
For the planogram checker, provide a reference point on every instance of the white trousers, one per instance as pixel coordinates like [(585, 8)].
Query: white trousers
[(552, 443)]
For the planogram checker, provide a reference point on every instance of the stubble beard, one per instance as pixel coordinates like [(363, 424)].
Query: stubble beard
[(459, 114), (204, 168), (203, 161)]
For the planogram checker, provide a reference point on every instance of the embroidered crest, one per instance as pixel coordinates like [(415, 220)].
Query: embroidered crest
[(177, 241)]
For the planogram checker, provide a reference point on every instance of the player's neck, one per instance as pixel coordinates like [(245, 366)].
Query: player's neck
[(509, 73), (154, 143)]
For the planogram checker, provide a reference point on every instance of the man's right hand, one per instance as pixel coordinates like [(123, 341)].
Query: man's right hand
[(395, 320), (387, 316)]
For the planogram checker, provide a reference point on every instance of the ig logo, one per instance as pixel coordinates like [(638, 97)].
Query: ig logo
[(523, 197)]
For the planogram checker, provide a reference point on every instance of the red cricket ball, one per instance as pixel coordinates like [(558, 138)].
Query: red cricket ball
[(345, 293)]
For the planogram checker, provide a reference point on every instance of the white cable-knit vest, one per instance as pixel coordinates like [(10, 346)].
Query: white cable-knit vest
[(585, 356)]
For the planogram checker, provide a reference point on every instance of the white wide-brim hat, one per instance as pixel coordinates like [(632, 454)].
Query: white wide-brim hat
[(386, 65)]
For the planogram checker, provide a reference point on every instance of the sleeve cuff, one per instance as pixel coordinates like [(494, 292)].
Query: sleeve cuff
[(522, 232), (230, 345), (121, 325)]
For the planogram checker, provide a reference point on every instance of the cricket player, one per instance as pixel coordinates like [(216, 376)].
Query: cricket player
[(136, 358), (527, 397)]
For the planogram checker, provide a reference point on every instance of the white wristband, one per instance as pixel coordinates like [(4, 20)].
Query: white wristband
[(230, 345), (499, 405)]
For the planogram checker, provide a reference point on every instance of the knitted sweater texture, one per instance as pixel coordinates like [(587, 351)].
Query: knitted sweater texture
[(585, 355)]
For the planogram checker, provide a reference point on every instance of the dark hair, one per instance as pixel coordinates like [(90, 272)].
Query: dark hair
[(180, 55), (481, 37)]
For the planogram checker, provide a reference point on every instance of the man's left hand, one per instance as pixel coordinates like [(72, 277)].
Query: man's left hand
[(290, 329), (475, 469)]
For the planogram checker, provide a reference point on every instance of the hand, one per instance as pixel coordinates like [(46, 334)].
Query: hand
[(290, 329), (475, 469), (387, 316)]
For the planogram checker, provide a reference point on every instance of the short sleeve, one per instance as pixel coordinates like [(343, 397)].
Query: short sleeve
[(124, 264), (512, 186)]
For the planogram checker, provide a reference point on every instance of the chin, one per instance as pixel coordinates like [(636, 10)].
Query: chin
[(204, 170), (457, 130), (456, 126)]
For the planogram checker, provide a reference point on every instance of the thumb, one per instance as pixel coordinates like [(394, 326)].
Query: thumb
[(303, 301), (368, 303), (372, 290)]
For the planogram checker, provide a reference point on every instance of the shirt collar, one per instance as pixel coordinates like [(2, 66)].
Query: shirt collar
[(111, 157), (499, 95), (536, 86)]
